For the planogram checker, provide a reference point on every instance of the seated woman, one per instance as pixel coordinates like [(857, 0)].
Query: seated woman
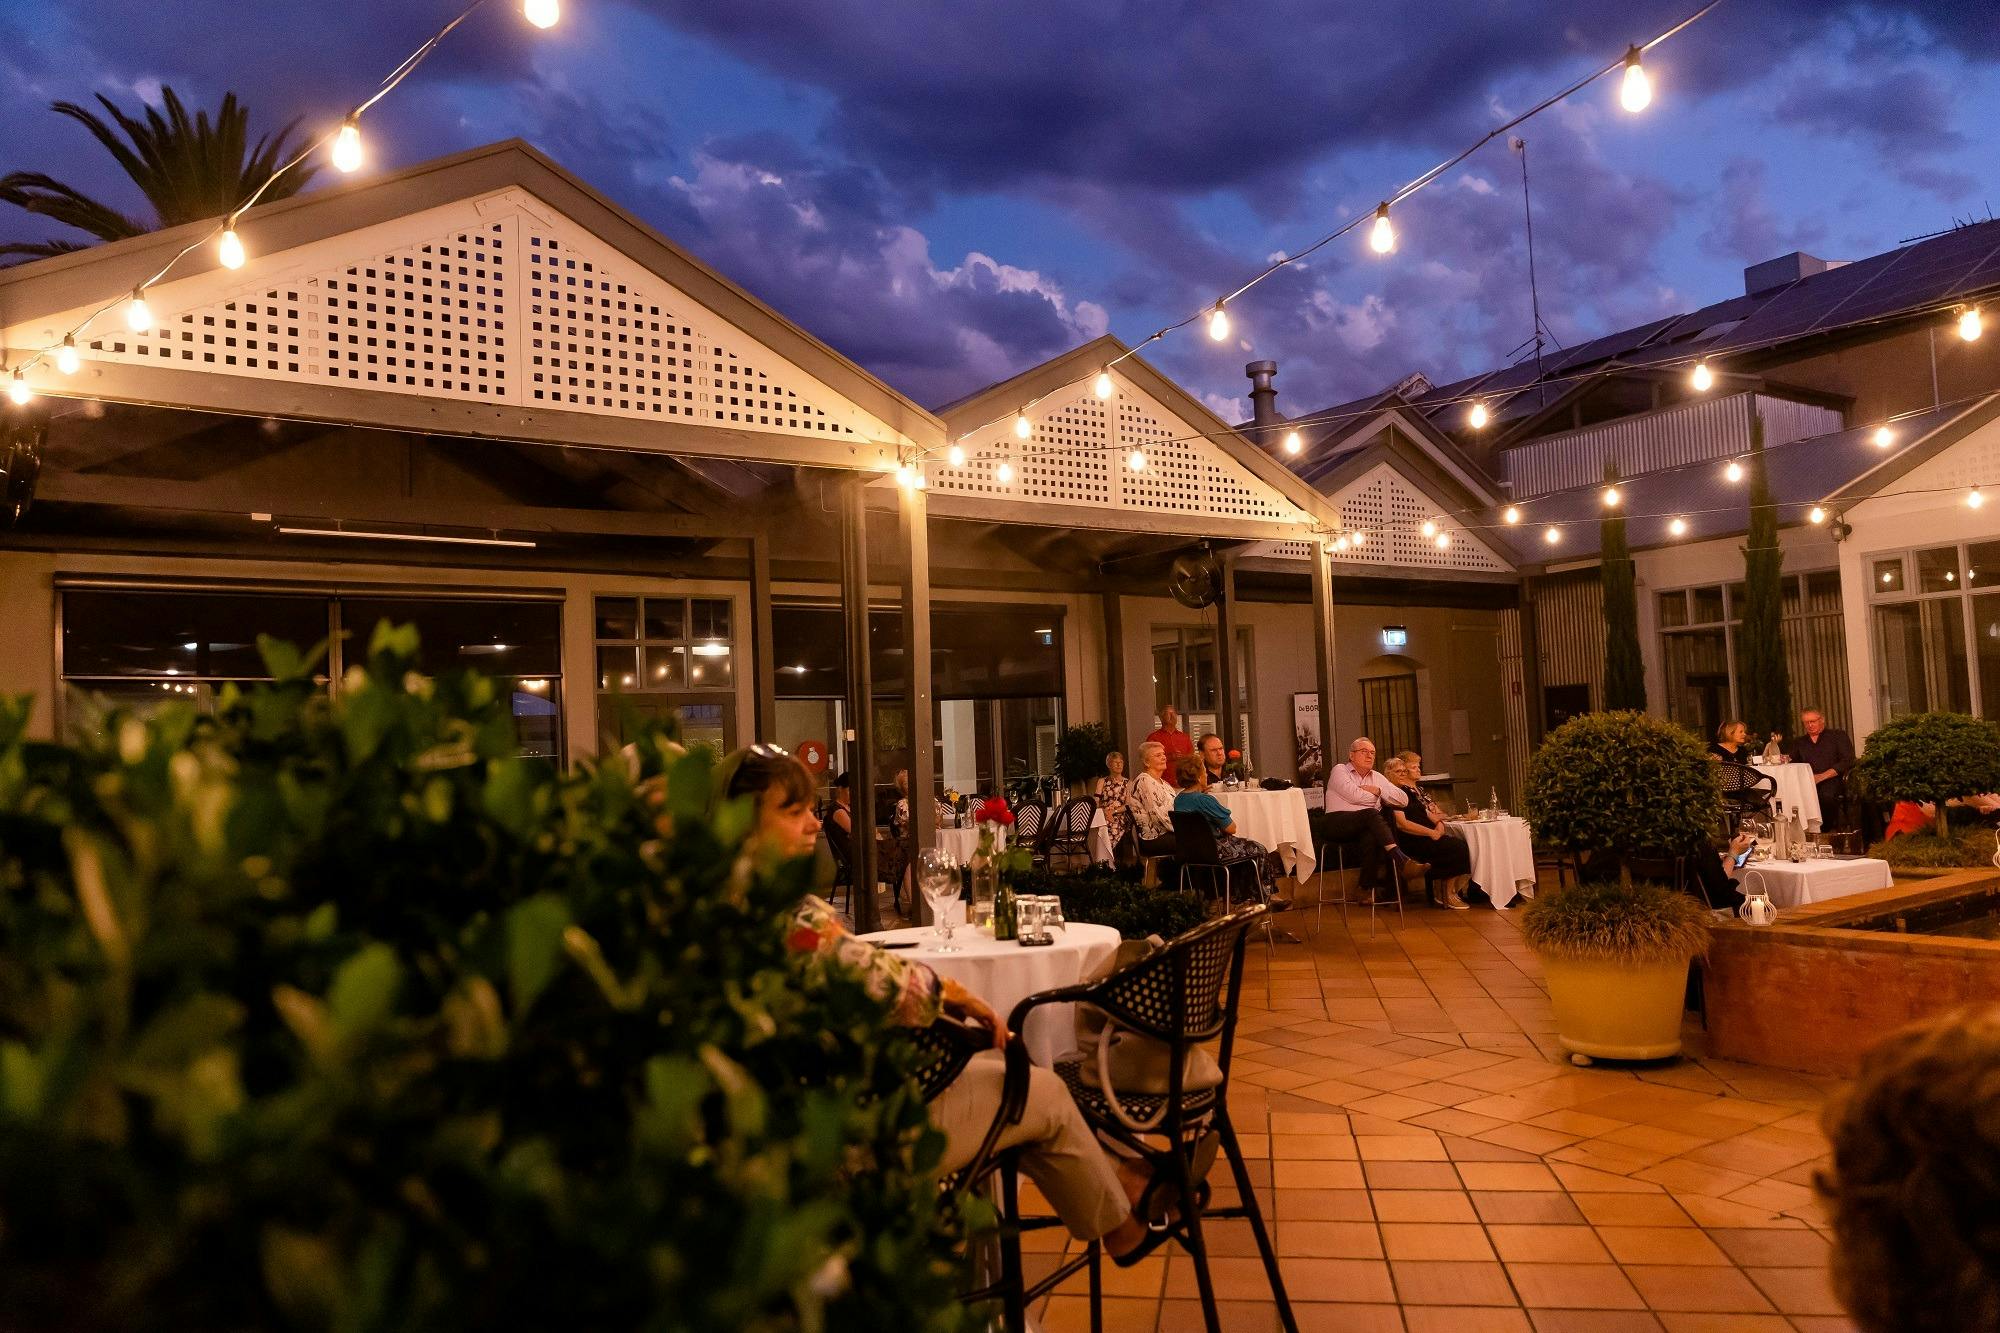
[(1095, 1196), (1151, 801), (1420, 832), (1112, 792), (1191, 773), (1732, 742)]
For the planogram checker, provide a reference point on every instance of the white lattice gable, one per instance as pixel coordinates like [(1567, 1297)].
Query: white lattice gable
[(1077, 457), (1972, 461), (1388, 512), (497, 299)]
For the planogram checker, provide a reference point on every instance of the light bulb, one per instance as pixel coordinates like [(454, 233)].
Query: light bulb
[(1137, 461), (1360, 539), (1512, 514), (1478, 416), (1815, 515), (955, 455), (20, 391), (1443, 540), (1340, 544), (1734, 472), (1678, 527), (1884, 437), (1968, 324), (1004, 474), (1636, 92), (1611, 497), (347, 146), (1293, 443), (138, 315), (1552, 534), (906, 476), (230, 249), (1023, 428), (543, 14), (1103, 385), (1973, 498), (1218, 323), (1382, 236), (1430, 528), (1703, 378), (67, 359)]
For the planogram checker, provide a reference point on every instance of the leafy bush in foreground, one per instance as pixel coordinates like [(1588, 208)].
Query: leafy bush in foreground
[(1603, 922), (1964, 849), (336, 1015)]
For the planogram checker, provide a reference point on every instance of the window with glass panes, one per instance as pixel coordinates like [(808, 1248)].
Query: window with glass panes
[(1934, 627), (666, 657), (1699, 647)]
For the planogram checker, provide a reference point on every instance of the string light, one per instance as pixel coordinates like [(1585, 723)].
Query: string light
[(1136, 460), (1293, 443), (1477, 416), (1004, 474), (1703, 378), (1360, 539), (1734, 472), (347, 146), (906, 476), (1679, 527), (1973, 498), (20, 391), (1218, 323), (1816, 515), (1103, 385), (230, 249), (67, 360), (138, 315), (1340, 544), (1382, 236), (1552, 534), (1611, 497), (1635, 92), (1443, 541), (1430, 528), (1511, 515), (955, 455), (543, 14), (1884, 437), (1023, 428), (1968, 324)]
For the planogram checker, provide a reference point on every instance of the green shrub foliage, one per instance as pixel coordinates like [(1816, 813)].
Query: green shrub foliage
[(1963, 849), (1766, 682), (1624, 670), (1930, 757), (1623, 783), (1604, 922), (1119, 901), (1080, 752), (337, 1015)]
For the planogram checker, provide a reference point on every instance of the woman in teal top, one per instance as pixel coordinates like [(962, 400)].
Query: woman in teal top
[(1191, 775)]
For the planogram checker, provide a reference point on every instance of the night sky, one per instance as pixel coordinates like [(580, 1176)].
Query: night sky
[(950, 191)]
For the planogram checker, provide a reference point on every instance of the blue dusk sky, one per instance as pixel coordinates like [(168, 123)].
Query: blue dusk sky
[(952, 192)]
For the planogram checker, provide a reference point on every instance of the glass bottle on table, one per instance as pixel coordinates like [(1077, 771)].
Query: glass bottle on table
[(1005, 922)]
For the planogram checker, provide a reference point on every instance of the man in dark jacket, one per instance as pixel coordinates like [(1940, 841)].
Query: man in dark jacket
[(1830, 751)]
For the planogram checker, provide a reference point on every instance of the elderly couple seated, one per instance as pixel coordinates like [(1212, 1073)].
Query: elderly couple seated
[(1153, 803), (1382, 821)]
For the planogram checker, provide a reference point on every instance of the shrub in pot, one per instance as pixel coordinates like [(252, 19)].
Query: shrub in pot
[(1930, 757), (1616, 953), (337, 1015), (1080, 752), (1119, 900)]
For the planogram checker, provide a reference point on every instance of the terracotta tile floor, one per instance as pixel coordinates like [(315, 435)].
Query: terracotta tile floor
[(1428, 1160)]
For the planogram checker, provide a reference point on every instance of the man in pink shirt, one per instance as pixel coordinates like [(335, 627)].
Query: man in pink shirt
[(1355, 797), (1170, 736)]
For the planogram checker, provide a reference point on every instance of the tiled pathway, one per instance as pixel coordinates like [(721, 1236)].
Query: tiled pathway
[(1430, 1161)]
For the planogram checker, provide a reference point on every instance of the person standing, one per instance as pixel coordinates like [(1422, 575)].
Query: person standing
[(1830, 751), (1356, 796), (1169, 736)]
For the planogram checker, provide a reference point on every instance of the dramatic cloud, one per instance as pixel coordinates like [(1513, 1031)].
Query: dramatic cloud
[(1746, 226)]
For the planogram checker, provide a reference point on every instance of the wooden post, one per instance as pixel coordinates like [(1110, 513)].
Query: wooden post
[(914, 516), (860, 697), (1115, 716), (1323, 650), (763, 652), (1225, 657)]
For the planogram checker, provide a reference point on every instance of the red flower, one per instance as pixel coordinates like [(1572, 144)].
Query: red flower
[(803, 939), (993, 810), (1236, 754), (1005, 816)]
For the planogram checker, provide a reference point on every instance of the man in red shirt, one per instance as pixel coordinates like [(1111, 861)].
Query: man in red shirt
[(1170, 735)]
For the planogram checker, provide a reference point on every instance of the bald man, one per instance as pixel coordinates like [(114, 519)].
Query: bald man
[(1356, 796)]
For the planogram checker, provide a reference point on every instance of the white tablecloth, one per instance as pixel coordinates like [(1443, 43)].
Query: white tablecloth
[(963, 842), (1277, 819), (1795, 788), (1004, 973), (1503, 856), (1795, 884)]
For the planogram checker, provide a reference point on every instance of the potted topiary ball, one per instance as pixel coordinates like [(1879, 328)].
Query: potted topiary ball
[(1930, 757), (1616, 953), (1080, 754)]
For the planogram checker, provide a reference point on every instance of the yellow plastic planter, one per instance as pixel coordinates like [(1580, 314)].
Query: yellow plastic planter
[(1617, 1011)]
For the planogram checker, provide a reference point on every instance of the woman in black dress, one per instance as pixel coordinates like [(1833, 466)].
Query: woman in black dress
[(1419, 830)]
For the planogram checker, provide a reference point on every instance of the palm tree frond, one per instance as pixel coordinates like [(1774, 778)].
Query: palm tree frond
[(48, 197)]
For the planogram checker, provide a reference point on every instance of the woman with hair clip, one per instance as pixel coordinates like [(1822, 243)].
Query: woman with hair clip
[(1095, 1195)]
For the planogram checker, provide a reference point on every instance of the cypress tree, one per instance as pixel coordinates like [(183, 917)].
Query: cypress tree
[(1624, 671), (1763, 683)]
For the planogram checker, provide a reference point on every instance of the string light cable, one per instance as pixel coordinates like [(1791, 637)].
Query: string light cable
[(541, 13)]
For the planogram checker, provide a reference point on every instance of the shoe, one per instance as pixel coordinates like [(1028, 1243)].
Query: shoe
[(1277, 902), (1456, 903), (1160, 1207)]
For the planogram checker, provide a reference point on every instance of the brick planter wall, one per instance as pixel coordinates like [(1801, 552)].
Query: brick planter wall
[(1806, 995)]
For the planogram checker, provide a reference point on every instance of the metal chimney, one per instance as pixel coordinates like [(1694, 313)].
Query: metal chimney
[(1264, 418)]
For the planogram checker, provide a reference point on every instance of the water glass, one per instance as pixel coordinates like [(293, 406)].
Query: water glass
[(1052, 913), (937, 875)]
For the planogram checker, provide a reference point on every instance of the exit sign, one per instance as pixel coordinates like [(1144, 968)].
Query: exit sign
[(1395, 636)]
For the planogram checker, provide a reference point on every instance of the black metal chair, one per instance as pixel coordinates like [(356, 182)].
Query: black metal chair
[(1067, 834), (1746, 791), (1182, 997), (1199, 852), (1028, 821), (1661, 869), (842, 847)]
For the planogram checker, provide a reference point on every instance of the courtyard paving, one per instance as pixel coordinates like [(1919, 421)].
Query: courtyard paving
[(1429, 1160)]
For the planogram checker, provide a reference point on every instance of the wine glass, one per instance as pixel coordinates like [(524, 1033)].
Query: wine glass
[(937, 875)]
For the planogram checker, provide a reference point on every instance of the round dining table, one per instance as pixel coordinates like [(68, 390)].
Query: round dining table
[(1503, 856), (1275, 819), (1795, 787), (1003, 973), (964, 841)]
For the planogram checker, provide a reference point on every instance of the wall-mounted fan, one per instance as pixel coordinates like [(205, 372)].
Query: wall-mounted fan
[(1196, 580)]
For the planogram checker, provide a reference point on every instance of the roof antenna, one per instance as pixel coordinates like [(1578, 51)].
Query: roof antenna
[(1520, 146)]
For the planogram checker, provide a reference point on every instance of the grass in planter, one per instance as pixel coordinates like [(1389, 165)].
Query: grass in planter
[(1117, 899), (1605, 922), (1965, 849)]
